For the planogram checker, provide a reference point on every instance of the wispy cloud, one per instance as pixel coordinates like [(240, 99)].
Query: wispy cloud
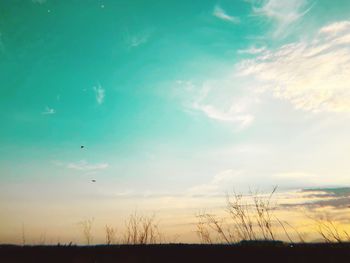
[(217, 100), (85, 166), (338, 198), (252, 50), (100, 93), (335, 28), (136, 39), (221, 14), (313, 75), (283, 12), (310, 74), (232, 114), (218, 184), (49, 111)]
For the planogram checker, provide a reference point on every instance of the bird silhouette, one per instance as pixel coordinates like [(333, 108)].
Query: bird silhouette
[(94, 181), (82, 146)]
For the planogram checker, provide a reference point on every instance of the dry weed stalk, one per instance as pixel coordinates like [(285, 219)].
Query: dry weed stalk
[(330, 231), (263, 215), (247, 221), (23, 236), (42, 239), (240, 215), (86, 226), (209, 222), (283, 224), (202, 230), (110, 235), (141, 230)]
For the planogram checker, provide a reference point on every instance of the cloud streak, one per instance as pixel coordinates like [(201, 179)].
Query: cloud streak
[(221, 14), (85, 166), (338, 198), (283, 13), (252, 50), (137, 39)]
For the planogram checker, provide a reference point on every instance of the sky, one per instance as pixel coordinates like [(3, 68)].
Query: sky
[(175, 102)]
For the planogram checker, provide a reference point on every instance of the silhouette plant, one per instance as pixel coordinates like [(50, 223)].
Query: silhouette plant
[(329, 230), (247, 219), (141, 230), (110, 235), (23, 236), (86, 226)]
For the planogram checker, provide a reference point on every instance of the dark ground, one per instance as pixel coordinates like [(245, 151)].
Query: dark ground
[(178, 253)]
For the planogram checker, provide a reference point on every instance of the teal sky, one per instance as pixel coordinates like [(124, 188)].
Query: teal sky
[(178, 98)]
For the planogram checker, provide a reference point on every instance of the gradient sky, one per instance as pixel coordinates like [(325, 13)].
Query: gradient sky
[(169, 98)]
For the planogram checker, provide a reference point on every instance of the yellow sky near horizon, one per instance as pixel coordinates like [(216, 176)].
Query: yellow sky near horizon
[(175, 215)]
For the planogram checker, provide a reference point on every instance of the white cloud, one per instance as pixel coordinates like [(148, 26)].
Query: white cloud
[(218, 185), (335, 28), (230, 115), (100, 94), (49, 111), (221, 14), (313, 75), (283, 12), (220, 100), (85, 166)]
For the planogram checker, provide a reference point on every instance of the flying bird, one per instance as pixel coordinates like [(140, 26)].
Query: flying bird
[(94, 181), (82, 146)]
